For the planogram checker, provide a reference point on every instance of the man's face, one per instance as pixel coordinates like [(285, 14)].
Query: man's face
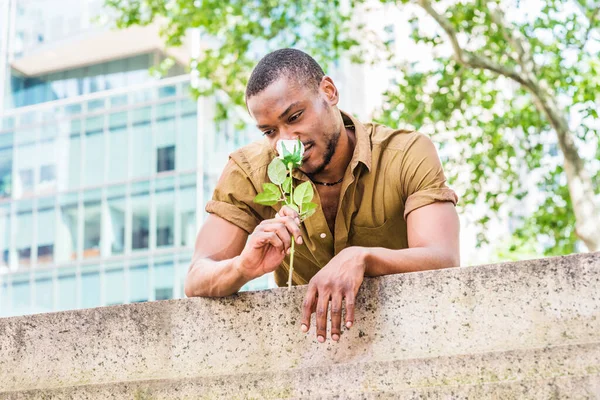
[(286, 110)]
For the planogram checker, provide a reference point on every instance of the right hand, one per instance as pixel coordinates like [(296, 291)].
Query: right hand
[(269, 244)]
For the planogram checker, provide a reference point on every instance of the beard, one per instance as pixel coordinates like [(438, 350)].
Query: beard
[(329, 152)]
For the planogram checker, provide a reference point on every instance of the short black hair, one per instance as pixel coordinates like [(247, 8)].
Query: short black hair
[(290, 63)]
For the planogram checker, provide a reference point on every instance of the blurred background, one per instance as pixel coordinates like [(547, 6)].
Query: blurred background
[(117, 116)]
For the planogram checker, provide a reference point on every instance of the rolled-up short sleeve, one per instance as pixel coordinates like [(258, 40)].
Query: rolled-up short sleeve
[(422, 178), (232, 198)]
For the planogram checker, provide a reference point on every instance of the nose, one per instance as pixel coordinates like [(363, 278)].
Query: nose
[(287, 134)]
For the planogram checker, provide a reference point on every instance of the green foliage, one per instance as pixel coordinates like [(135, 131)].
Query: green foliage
[(501, 143), (492, 123), (239, 32)]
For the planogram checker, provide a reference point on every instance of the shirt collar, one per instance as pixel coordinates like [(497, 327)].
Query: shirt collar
[(362, 147)]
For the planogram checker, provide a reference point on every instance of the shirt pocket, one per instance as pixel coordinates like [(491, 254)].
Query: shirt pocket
[(391, 234)]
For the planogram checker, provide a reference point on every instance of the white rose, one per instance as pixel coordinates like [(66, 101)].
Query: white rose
[(290, 146)]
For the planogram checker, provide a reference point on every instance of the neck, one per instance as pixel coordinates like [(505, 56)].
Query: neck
[(341, 158)]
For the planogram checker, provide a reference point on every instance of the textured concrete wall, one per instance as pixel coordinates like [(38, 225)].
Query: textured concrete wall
[(527, 330)]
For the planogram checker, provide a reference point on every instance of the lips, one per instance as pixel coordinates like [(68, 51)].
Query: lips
[(307, 150)]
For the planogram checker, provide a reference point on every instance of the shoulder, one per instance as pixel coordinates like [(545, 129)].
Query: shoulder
[(399, 140), (254, 158)]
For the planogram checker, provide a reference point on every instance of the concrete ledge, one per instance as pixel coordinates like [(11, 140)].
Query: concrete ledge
[(527, 329)]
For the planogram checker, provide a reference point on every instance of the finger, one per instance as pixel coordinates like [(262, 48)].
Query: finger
[(322, 305), (290, 223), (336, 316), (287, 211), (308, 306), (271, 238), (280, 230), (349, 309)]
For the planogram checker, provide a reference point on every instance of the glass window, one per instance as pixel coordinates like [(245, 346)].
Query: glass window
[(141, 158), (21, 294), (117, 149), (24, 232), (4, 234), (166, 110), (165, 140), (165, 158), (66, 239), (44, 297), (115, 77), (188, 106), (119, 100), (114, 285), (46, 230), (94, 124), (25, 135), (115, 219), (90, 286), (138, 282), (165, 215), (74, 162), (6, 164), (167, 91), (186, 143), (163, 280), (94, 159), (92, 226), (187, 209), (141, 115), (47, 162), (140, 226), (117, 120), (25, 163), (67, 289), (49, 131)]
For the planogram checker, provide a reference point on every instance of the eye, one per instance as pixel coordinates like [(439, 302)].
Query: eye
[(268, 133), (295, 116)]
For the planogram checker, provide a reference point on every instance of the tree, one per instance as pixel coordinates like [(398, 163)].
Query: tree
[(506, 83)]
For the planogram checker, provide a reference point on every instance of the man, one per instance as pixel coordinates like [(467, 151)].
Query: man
[(384, 206)]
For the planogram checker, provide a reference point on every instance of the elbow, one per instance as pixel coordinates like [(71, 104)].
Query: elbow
[(192, 286), (452, 260)]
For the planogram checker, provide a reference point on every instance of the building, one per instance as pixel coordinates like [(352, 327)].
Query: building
[(104, 168)]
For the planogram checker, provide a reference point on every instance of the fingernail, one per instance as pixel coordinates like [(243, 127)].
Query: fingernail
[(297, 220), (321, 339), (348, 324), (335, 337), (299, 240), (288, 251), (304, 328)]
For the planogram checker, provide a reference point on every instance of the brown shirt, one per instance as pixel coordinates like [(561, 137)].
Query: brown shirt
[(392, 172)]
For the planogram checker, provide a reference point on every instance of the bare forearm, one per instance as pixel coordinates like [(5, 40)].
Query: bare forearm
[(382, 261), (208, 278)]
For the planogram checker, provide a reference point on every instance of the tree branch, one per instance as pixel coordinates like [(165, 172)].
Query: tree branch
[(514, 38), (592, 20), (471, 59)]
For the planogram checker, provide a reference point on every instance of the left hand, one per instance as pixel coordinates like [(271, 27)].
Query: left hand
[(339, 279)]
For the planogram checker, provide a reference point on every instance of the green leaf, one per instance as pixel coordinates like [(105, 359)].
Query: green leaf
[(287, 184), (293, 207), (266, 199), (271, 188), (270, 195), (304, 193), (277, 171), (308, 209)]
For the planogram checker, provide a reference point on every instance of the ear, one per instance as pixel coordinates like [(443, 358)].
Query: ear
[(329, 91)]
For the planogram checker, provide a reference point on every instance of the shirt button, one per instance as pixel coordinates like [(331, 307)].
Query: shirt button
[(323, 235)]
